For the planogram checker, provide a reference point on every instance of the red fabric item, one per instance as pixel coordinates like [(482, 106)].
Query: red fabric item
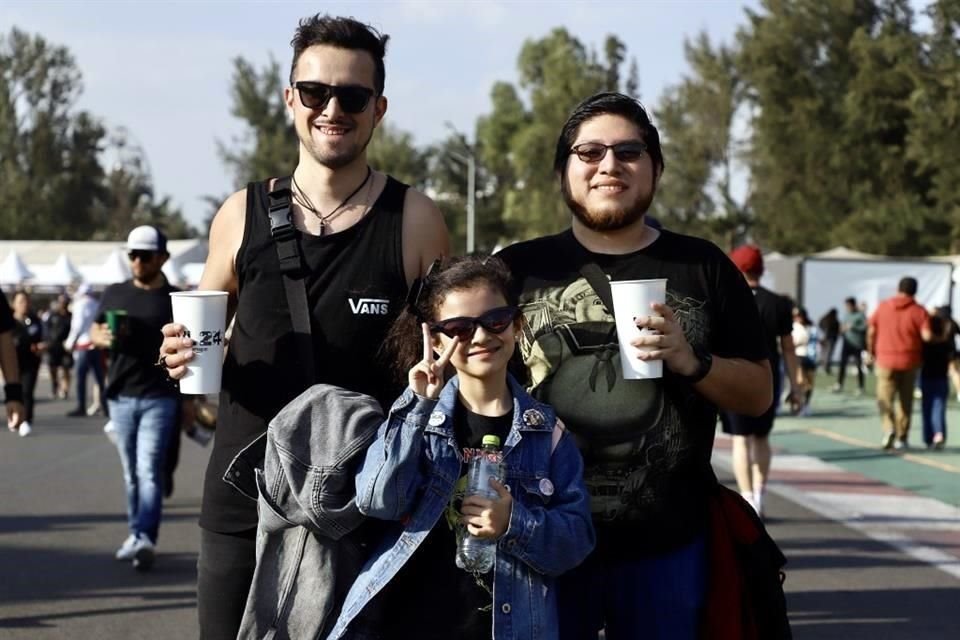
[(898, 343), (748, 258), (726, 616)]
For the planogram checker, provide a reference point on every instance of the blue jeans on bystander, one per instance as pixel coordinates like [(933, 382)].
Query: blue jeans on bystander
[(934, 406), (143, 427)]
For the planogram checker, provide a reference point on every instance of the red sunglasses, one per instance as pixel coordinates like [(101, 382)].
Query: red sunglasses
[(463, 327)]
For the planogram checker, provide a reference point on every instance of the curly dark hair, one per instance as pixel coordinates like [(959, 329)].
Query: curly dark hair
[(404, 342)]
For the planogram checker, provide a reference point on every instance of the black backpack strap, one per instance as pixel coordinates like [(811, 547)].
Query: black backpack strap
[(280, 208), (601, 285)]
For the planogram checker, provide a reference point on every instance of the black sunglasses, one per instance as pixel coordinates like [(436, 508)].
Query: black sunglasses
[(463, 327), (594, 152), (316, 95), (142, 256)]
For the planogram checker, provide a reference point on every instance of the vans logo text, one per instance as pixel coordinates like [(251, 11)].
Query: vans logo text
[(369, 306)]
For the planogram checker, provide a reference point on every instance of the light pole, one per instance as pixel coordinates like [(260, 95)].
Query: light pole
[(471, 163)]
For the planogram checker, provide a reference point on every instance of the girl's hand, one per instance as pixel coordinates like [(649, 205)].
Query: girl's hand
[(486, 518), (426, 377)]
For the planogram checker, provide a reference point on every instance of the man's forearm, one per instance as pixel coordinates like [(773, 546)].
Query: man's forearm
[(738, 385)]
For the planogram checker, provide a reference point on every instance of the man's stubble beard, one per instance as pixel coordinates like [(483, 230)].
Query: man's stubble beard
[(339, 160), (608, 220)]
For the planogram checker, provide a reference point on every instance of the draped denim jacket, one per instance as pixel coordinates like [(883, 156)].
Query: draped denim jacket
[(409, 475)]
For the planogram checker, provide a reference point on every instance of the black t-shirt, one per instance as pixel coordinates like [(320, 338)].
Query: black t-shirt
[(649, 483), (435, 599), (936, 359), (133, 371), (25, 335), (776, 316), (6, 315), (57, 328)]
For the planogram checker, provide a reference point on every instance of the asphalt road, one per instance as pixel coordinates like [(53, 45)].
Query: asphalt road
[(61, 519)]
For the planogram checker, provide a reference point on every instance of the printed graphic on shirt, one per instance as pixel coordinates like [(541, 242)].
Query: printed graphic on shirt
[(570, 345), (369, 306)]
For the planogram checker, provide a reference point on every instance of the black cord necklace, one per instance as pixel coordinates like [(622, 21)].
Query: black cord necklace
[(304, 201)]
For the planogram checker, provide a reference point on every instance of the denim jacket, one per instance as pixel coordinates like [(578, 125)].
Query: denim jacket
[(409, 475), (302, 475)]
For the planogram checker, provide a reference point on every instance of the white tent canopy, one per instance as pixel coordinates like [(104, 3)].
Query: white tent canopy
[(60, 273), (13, 270), (114, 269), (54, 264)]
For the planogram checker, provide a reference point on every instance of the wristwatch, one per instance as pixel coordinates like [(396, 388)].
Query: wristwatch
[(705, 362)]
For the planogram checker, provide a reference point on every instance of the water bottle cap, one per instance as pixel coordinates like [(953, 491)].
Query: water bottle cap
[(491, 440)]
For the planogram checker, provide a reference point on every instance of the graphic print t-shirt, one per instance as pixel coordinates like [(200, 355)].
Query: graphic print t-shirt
[(647, 462), (435, 599)]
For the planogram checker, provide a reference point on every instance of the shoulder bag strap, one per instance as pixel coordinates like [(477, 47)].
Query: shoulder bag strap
[(601, 285), (280, 201)]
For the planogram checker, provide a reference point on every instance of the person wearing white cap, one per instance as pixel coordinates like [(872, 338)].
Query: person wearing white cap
[(143, 404)]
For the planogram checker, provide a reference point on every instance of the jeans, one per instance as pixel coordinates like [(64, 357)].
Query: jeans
[(934, 406), (88, 360), (656, 598), (224, 573), (143, 427)]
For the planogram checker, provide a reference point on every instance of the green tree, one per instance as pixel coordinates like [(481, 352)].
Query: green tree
[(268, 145), (556, 73), (695, 118), (932, 141), (796, 62), (393, 151), (50, 175)]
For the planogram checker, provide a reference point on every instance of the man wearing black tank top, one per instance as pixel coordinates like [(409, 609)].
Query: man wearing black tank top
[(363, 237)]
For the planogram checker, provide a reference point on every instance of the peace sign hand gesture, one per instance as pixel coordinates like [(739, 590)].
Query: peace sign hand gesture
[(426, 377)]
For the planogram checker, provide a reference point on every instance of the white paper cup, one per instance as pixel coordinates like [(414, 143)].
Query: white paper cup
[(204, 314), (632, 299)]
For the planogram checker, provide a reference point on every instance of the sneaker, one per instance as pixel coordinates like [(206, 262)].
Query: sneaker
[(836, 388), (143, 554), (887, 442), (127, 549), (25, 429), (110, 431), (900, 445), (938, 441), (77, 413)]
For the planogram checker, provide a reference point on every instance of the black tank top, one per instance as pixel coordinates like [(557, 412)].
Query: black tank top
[(355, 288)]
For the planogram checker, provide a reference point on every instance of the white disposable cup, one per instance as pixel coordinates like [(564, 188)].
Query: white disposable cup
[(204, 315), (632, 299)]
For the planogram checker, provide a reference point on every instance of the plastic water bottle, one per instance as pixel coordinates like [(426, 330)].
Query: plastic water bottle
[(474, 554)]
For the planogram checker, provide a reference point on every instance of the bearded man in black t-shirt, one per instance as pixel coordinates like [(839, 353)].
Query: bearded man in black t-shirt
[(646, 443)]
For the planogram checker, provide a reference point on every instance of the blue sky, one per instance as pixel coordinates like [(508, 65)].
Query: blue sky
[(162, 69)]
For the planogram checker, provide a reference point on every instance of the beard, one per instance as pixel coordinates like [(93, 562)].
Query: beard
[(608, 219), (333, 159)]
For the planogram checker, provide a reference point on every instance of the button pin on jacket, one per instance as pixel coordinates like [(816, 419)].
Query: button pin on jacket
[(546, 487), (533, 417), (436, 419)]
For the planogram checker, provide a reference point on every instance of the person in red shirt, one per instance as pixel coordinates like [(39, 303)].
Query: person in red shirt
[(895, 337)]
